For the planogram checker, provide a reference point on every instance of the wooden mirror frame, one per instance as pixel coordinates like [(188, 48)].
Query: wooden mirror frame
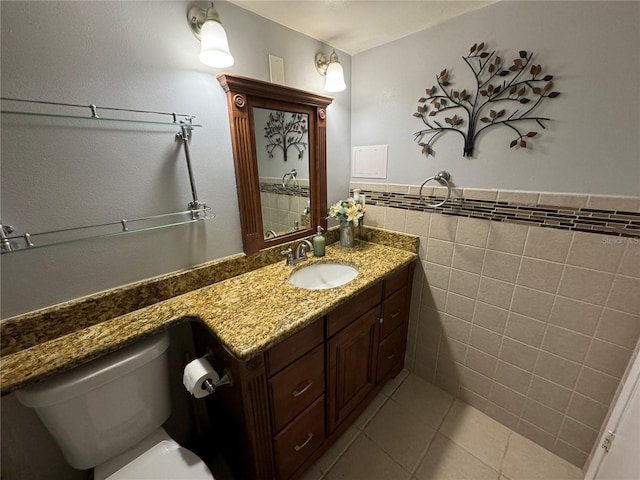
[(242, 95)]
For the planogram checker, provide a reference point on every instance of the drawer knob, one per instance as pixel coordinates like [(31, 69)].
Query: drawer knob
[(297, 448), (296, 393), (381, 319)]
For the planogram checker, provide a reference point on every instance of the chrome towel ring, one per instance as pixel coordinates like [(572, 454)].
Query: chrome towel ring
[(443, 178), (290, 178)]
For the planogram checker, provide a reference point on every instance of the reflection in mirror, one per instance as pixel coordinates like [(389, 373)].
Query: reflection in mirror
[(282, 149)]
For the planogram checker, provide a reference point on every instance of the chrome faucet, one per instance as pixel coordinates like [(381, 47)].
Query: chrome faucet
[(299, 254)]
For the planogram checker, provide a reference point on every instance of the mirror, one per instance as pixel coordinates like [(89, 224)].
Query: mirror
[(278, 136), (282, 151)]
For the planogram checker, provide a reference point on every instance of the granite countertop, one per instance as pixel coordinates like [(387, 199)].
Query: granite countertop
[(248, 313)]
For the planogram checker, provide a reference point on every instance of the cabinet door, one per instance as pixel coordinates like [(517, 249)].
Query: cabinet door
[(352, 357)]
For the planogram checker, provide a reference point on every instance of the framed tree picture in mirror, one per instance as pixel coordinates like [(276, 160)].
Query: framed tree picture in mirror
[(278, 136)]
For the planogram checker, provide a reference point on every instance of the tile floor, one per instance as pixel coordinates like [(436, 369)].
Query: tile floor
[(416, 431)]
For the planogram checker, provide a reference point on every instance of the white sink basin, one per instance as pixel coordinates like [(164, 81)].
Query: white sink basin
[(320, 276)]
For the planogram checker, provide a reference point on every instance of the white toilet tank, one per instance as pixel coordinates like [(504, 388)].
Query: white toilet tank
[(98, 410)]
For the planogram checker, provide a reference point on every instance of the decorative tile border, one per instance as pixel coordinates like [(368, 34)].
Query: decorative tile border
[(280, 190), (607, 222)]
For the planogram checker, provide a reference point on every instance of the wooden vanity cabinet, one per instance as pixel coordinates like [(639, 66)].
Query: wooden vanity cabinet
[(287, 406)]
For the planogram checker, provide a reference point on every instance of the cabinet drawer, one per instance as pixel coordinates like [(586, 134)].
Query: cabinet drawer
[(394, 312), (300, 439), (282, 354), (294, 388), (390, 353), (345, 314), (395, 281)]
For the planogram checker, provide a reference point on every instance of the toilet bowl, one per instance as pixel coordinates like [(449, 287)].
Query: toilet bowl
[(108, 415)]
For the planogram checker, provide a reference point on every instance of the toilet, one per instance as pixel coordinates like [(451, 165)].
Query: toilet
[(108, 415)]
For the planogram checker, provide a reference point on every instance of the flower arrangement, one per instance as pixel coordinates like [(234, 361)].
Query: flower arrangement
[(349, 210)]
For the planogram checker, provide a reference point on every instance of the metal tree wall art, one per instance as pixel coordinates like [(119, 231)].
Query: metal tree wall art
[(286, 130), (505, 95)]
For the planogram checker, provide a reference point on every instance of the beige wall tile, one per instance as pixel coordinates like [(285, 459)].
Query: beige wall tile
[(549, 394), (596, 385), (526, 460), (374, 217), (532, 303), (395, 219), (562, 200), (447, 461), (501, 415), (591, 250), (459, 306), (536, 434), (543, 417), (513, 377), (507, 237), (483, 437), (475, 382), (472, 231), (417, 223), (485, 340), (548, 244), (433, 297), (525, 329), (443, 227), (464, 283), (495, 292), (480, 362), (540, 274), (424, 363), (448, 377), (518, 196), (501, 266), (437, 275), (518, 354), (570, 454), (566, 343), (456, 328), (624, 295), (630, 264), (452, 351), (480, 194), (606, 202), (587, 285), (468, 258), (578, 435), (490, 317), (575, 315), (619, 328), (557, 369), (429, 329), (506, 398), (440, 252), (397, 188), (608, 358), (587, 411), (473, 399)]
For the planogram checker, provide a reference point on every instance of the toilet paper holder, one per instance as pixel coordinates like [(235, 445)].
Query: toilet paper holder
[(211, 387)]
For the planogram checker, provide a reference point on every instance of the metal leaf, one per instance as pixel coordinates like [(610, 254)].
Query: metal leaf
[(504, 73), (473, 49), (422, 99), (498, 60), (547, 78), (443, 72), (548, 86), (448, 120), (513, 89), (513, 144), (433, 114), (484, 55), (493, 114), (481, 47), (483, 93), (532, 134), (485, 120), (523, 143), (523, 54), (416, 114), (500, 114), (524, 100), (554, 94), (436, 105), (445, 84), (537, 90)]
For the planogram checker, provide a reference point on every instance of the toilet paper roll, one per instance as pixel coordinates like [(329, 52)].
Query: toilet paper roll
[(195, 374)]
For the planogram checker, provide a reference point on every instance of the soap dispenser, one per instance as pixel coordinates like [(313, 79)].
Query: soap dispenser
[(318, 243)]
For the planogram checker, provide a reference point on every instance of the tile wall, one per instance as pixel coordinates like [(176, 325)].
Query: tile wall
[(282, 207), (531, 321)]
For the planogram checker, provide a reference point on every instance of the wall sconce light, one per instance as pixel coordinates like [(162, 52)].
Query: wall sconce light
[(332, 69), (206, 26)]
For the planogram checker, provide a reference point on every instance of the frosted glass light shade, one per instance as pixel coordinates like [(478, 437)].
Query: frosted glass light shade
[(335, 78), (215, 46)]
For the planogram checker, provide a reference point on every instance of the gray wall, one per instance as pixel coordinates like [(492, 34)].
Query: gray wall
[(591, 145), (63, 173)]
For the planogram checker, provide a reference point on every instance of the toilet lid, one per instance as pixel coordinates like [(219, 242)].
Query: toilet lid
[(164, 461)]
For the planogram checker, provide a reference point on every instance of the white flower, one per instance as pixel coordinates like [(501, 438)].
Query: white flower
[(348, 210)]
